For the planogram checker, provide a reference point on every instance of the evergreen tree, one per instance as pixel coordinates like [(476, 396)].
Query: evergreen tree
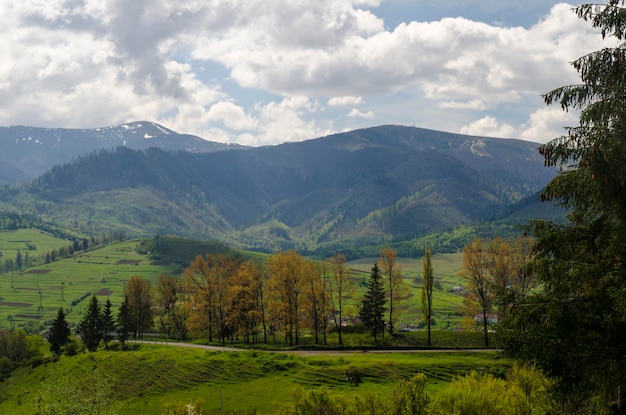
[(372, 310), (59, 334), (124, 324), (91, 325), (108, 323), (574, 328), (18, 260), (428, 285)]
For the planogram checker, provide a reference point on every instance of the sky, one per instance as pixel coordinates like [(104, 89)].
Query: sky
[(262, 72)]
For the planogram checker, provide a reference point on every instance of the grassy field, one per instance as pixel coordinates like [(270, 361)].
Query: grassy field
[(34, 241), (37, 293), (144, 379)]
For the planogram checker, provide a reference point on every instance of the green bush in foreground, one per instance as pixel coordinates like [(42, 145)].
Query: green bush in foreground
[(524, 392)]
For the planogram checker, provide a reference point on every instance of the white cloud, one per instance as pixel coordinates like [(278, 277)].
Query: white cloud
[(357, 113), (488, 127), (343, 101), (287, 121), (474, 104), (232, 116), (548, 123)]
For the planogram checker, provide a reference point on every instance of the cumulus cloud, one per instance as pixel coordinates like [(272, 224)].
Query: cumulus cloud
[(548, 123), (343, 101), (266, 71), (357, 113), (488, 127)]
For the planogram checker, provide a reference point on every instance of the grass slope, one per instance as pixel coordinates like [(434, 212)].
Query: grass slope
[(143, 380), (35, 295)]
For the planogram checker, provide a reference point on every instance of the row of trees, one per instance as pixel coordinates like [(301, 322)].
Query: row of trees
[(225, 297), (28, 259), (221, 297), (495, 269), (134, 317)]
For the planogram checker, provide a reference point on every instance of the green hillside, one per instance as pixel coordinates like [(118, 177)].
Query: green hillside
[(239, 382), (31, 297)]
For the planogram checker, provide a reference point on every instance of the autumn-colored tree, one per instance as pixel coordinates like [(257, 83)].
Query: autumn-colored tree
[(428, 285), (199, 284), (138, 292), (501, 270), (476, 272), (341, 290), (316, 298), (224, 269), (263, 289), (166, 297), (287, 286), (396, 289), (244, 314), (206, 281)]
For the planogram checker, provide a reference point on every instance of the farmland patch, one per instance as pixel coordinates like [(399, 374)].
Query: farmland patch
[(128, 262), (104, 292), (30, 316), (15, 304)]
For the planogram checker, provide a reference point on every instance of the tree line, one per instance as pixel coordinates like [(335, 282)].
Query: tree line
[(222, 297)]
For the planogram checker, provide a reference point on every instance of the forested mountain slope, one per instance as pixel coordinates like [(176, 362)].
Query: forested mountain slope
[(374, 185)]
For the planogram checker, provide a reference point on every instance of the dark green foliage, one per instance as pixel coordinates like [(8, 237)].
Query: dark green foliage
[(91, 326), (575, 328), (124, 323), (108, 322), (372, 307), (354, 376), (170, 249), (59, 333), (428, 285)]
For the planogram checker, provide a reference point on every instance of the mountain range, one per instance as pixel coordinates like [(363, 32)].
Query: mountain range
[(376, 185), (28, 152)]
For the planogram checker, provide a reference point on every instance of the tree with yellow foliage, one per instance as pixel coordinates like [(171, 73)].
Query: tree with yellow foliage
[(287, 287), (396, 288)]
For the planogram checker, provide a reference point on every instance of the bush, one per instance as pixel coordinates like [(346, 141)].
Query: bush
[(73, 348), (354, 376), (6, 366)]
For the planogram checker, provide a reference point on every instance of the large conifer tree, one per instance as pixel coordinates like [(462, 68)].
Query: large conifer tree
[(59, 334), (91, 327), (574, 328), (372, 310)]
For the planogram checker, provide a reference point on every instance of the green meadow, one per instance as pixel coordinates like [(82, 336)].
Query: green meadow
[(35, 294), (141, 381)]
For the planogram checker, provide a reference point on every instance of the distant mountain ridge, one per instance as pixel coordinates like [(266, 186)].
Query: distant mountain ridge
[(27, 152), (375, 185)]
